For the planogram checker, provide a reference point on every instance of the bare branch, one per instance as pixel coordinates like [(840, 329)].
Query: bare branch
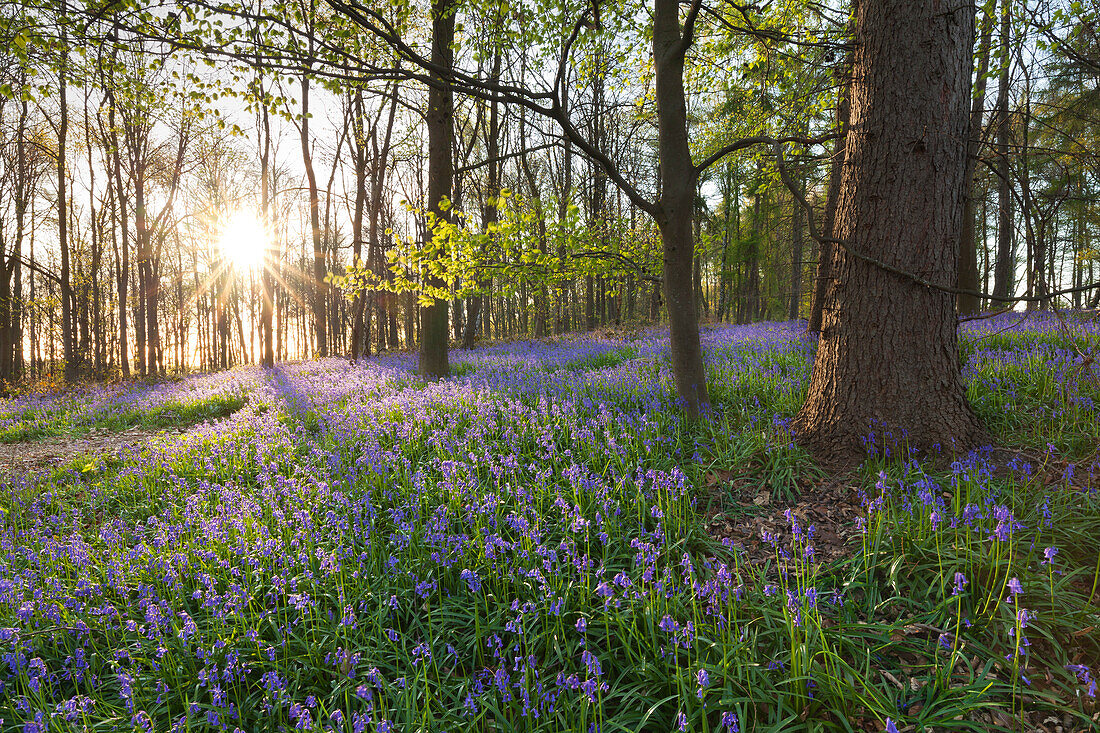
[(917, 279)]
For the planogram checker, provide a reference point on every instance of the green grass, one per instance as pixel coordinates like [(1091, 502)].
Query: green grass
[(167, 415)]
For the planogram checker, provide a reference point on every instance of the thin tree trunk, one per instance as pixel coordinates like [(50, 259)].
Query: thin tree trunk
[(796, 262), (824, 276), (72, 369), (490, 213), (968, 245), (122, 277), (360, 341), (318, 299), (267, 276), (1004, 279)]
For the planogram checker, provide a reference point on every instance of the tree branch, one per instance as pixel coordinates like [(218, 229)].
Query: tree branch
[(748, 142), (917, 279)]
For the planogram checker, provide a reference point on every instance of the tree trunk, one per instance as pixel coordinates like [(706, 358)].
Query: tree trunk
[(11, 317), (1004, 278), (122, 277), (751, 292), (968, 245), (267, 276), (836, 169), (490, 213), (674, 210), (433, 318), (320, 312), (360, 341), (71, 367), (796, 261), (376, 253), (888, 359)]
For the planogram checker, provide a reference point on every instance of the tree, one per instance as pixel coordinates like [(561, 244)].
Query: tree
[(71, 365), (888, 356), (319, 291), (434, 362), (267, 277), (968, 246), (1004, 282), (672, 209)]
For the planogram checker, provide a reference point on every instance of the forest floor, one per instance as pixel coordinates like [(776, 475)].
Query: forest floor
[(540, 543), (45, 454)]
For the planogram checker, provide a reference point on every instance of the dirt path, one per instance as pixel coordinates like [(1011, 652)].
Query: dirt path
[(41, 455)]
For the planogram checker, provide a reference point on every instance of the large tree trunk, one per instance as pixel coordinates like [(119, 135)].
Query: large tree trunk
[(888, 359), (674, 210), (434, 362)]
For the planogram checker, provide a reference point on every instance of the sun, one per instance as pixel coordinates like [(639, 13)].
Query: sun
[(244, 240)]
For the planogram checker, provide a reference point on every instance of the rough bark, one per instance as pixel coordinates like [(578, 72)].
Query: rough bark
[(888, 360)]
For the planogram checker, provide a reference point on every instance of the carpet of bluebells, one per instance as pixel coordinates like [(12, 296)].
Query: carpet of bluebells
[(520, 547), (115, 406)]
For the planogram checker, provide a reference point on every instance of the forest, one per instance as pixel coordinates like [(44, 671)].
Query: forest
[(437, 365)]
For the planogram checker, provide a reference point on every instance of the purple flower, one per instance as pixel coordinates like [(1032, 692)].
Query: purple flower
[(1014, 587), (591, 663), (890, 727), (681, 721), (702, 678), (1084, 676), (729, 722), (472, 580), (960, 583)]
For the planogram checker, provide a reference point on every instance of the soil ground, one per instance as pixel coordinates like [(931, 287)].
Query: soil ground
[(32, 456)]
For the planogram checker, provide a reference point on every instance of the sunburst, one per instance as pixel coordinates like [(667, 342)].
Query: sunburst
[(244, 240)]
